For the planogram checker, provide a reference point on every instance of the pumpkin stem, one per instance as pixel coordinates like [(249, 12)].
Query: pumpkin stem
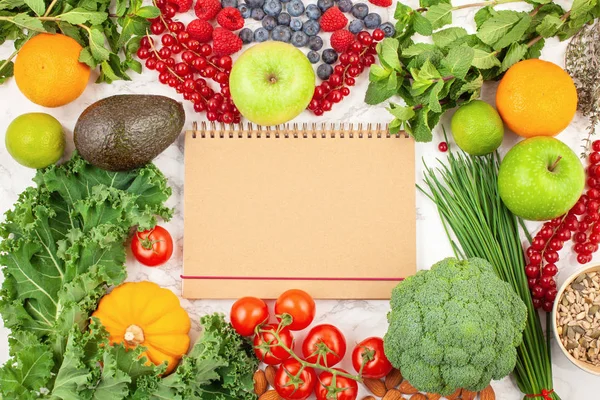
[(134, 335)]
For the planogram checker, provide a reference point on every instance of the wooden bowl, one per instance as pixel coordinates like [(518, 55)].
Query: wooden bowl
[(592, 369)]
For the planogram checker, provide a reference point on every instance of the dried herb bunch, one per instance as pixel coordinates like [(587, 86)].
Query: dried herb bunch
[(582, 61)]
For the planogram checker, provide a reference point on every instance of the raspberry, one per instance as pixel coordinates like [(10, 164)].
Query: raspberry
[(200, 30), (207, 9), (341, 40), (230, 18), (333, 19), (381, 3), (225, 42), (181, 5)]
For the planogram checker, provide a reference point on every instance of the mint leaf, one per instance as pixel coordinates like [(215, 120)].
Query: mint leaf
[(483, 15), (85, 56), (81, 16), (403, 113), (439, 15), (388, 54), (422, 25), (428, 71), (418, 48), (582, 7), (37, 6), (378, 73), (148, 12), (434, 101), (97, 39), (549, 26), (516, 52), (473, 86), (7, 70), (484, 60), (378, 92), (515, 34), (496, 27), (457, 62), (395, 126), (446, 37), (420, 127), (392, 83), (10, 4), (135, 65), (73, 32), (30, 23)]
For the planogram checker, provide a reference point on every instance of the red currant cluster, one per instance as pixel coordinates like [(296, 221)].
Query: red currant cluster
[(351, 63), (581, 224), (195, 59)]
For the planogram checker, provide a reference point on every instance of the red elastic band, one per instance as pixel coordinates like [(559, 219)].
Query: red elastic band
[(544, 395)]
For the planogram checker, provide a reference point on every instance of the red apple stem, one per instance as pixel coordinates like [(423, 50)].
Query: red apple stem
[(553, 166)]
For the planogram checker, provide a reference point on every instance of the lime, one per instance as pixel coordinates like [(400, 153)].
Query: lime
[(477, 128), (35, 140)]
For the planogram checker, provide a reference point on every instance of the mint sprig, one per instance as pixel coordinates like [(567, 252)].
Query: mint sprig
[(431, 78)]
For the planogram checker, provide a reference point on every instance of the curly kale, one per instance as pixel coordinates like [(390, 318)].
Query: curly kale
[(454, 326)]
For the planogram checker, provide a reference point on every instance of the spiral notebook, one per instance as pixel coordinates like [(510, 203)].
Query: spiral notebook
[(328, 209)]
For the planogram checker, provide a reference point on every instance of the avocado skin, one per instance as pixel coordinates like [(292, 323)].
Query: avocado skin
[(124, 132)]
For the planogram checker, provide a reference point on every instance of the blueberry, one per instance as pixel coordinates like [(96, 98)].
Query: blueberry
[(360, 10), (324, 71), (295, 8), (324, 4), (255, 3), (272, 7), (388, 29), (283, 18), (372, 21), (315, 43), (257, 14), (269, 22), (313, 11), (356, 26), (261, 34), (311, 27), (299, 39), (345, 5), (285, 1), (296, 24), (246, 35), (313, 57), (229, 3), (330, 56), (244, 10), (282, 33)]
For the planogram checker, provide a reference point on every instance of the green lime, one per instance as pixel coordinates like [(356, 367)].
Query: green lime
[(477, 128), (35, 140)]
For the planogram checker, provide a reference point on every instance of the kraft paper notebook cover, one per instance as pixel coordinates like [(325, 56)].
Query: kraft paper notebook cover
[(327, 209)]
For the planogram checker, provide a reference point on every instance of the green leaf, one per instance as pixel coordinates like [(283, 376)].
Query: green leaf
[(434, 101), (73, 32), (429, 3), (378, 73), (420, 86), (420, 127), (97, 40), (485, 60), (422, 25), (113, 382), (439, 15), (515, 34), (378, 92), (135, 65), (73, 375), (428, 71), (496, 27), (148, 12), (30, 23), (37, 6), (392, 81), (10, 4), (402, 113), (81, 16), (444, 38), (388, 54), (85, 56), (483, 15), (535, 51), (7, 71), (121, 9), (457, 62), (395, 126), (582, 7), (516, 52), (473, 86), (549, 26), (418, 48)]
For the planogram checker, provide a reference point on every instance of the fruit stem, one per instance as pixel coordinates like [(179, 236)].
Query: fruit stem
[(553, 166), (50, 7)]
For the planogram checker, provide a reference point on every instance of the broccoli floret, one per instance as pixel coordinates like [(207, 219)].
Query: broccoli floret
[(454, 326)]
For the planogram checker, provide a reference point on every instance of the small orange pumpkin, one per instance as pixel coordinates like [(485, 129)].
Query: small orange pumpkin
[(143, 313)]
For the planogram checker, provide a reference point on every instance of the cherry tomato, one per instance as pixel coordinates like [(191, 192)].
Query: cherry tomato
[(344, 388), (324, 345), (299, 305), (266, 345), (153, 247), (370, 353), (247, 313), (294, 383)]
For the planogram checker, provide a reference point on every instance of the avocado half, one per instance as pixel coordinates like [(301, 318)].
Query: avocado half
[(125, 132)]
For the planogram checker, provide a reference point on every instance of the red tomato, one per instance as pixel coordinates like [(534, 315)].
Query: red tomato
[(344, 388), (266, 345), (247, 313), (152, 247), (370, 352), (299, 305), (324, 345), (294, 383)]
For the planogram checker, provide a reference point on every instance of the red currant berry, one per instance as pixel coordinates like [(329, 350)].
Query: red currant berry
[(151, 63), (538, 243), (593, 193), (228, 118), (531, 282), (206, 92), (551, 256), (199, 106), (318, 92), (596, 145), (188, 57), (550, 270), (551, 293), (196, 97), (179, 88), (225, 63), (143, 53), (205, 49), (221, 77), (176, 48), (318, 112), (353, 60), (548, 306), (546, 232), (588, 248), (583, 258), (535, 258), (193, 45), (350, 81), (594, 238), (357, 46), (209, 71), (583, 226), (326, 105), (314, 103), (173, 81), (345, 91), (189, 85), (169, 11), (532, 271), (368, 60), (164, 77), (365, 38), (339, 69), (157, 28), (443, 147), (593, 205), (146, 42), (167, 40), (378, 35), (326, 87), (555, 244), (564, 235), (165, 52), (353, 72), (344, 59), (170, 62), (594, 158), (592, 217), (579, 237), (335, 80), (183, 36), (545, 282), (335, 96), (578, 208), (538, 291), (182, 69), (537, 303), (161, 66), (225, 91), (593, 182)]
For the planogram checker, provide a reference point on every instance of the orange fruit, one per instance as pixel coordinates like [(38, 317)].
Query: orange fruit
[(536, 98), (47, 70)]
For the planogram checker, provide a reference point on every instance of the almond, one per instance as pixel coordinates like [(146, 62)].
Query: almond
[(418, 396), (270, 395), (407, 388), (487, 394), (468, 395), (376, 386), (454, 395), (270, 372), (260, 382), (393, 379), (393, 394), (433, 396)]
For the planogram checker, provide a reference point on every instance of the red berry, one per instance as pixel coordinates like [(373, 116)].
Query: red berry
[(532, 282), (350, 81), (181, 69), (225, 62), (365, 38), (378, 35), (230, 18), (532, 271), (314, 103), (157, 28), (545, 282), (335, 79), (167, 40), (555, 244), (221, 77), (228, 118), (594, 158), (593, 205), (579, 237), (551, 256), (368, 60), (583, 258), (578, 208), (592, 217), (537, 303), (548, 306), (146, 42), (164, 77), (161, 66), (353, 71), (151, 63), (345, 91), (551, 293), (143, 53), (205, 91), (326, 87), (188, 57), (341, 40), (225, 42), (199, 63), (165, 52), (326, 105), (596, 145), (588, 248), (538, 291), (594, 238), (546, 233), (593, 193), (344, 58), (182, 5), (318, 92), (169, 11), (443, 147), (538, 243), (535, 258), (173, 82), (318, 112), (339, 69), (207, 10), (333, 19), (209, 71), (176, 48), (564, 235), (381, 3), (189, 85), (550, 270), (199, 107), (356, 47), (583, 226), (226, 91)]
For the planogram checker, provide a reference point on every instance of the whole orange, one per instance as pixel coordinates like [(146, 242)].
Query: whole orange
[(48, 71), (536, 98)]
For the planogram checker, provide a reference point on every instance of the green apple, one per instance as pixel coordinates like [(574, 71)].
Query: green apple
[(271, 83), (540, 178)]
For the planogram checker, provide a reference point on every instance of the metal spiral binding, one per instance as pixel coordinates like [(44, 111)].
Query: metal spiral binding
[(212, 130)]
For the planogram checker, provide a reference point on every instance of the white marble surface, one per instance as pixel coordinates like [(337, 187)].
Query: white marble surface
[(357, 319)]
